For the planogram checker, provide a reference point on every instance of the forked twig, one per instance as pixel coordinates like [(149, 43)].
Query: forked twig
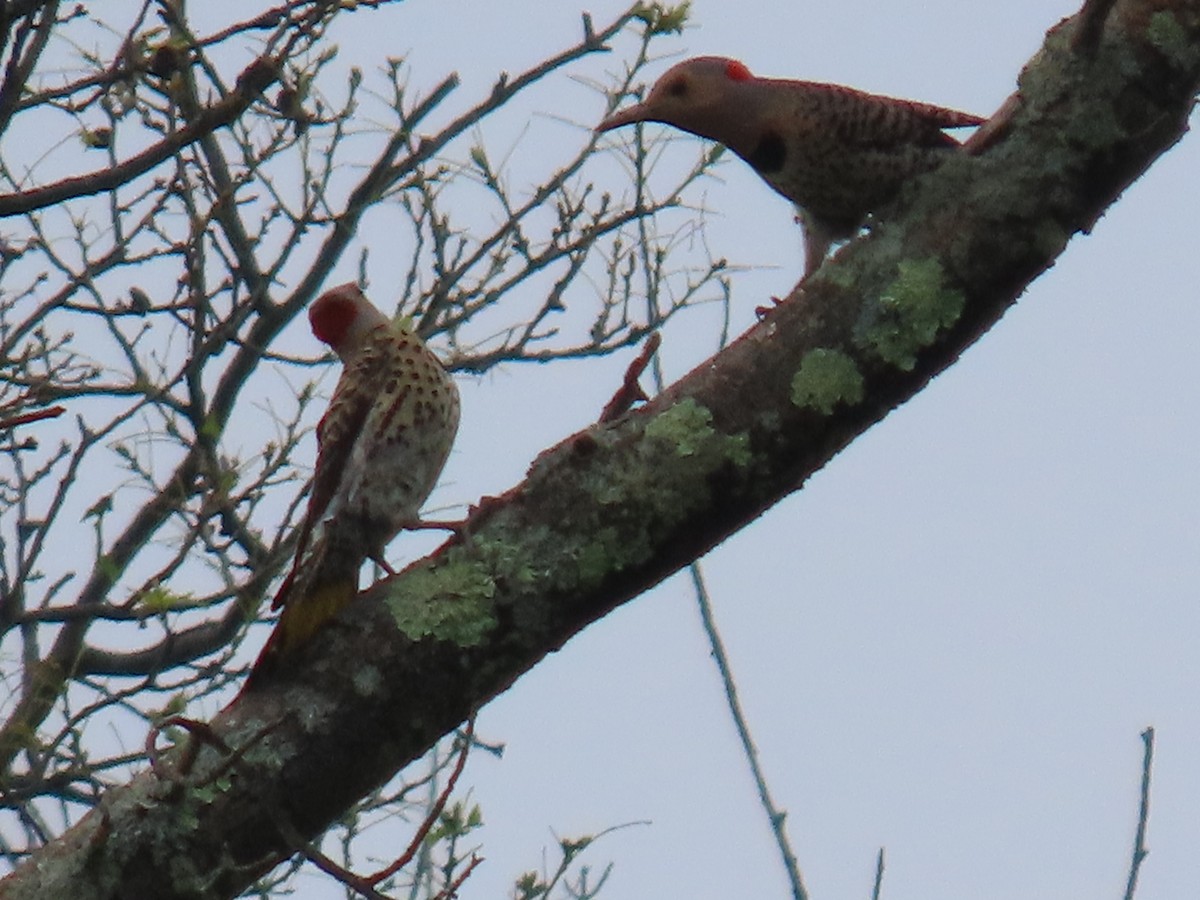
[(366, 885), (630, 391), (436, 810)]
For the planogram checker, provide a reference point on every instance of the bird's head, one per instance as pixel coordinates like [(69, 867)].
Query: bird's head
[(705, 95), (342, 317)]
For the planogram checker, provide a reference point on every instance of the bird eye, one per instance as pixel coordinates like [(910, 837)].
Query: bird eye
[(678, 88)]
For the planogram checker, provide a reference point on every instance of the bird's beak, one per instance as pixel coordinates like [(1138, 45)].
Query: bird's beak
[(627, 116)]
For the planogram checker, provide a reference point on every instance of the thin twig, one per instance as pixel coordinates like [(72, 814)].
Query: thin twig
[(451, 890), (775, 815), (309, 851), (1139, 842), (878, 887), (995, 129), (434, 811), (366, 884), (201, 732)]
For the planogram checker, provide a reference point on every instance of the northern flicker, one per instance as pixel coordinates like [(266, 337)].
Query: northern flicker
[(381, 446), (836, 152)]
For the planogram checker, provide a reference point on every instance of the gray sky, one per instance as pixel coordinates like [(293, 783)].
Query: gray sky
[(949, 641)]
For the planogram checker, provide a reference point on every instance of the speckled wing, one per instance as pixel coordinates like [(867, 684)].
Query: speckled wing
[(343, 421)]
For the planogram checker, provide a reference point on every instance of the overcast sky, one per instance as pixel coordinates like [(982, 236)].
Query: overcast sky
[(949, 642)]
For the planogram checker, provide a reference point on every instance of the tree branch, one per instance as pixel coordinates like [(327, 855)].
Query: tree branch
[(613, 510), (255, 79)]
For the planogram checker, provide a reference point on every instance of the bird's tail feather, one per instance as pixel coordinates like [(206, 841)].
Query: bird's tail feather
[(302, 618)]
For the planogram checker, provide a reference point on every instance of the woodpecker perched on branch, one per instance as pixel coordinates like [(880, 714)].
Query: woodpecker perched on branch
[(836, 152), (381, 446)]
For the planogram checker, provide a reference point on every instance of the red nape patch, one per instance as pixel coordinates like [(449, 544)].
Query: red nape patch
[(331, 317), (736, 71)]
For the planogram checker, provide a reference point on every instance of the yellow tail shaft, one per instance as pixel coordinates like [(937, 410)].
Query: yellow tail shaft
[(303, 617)]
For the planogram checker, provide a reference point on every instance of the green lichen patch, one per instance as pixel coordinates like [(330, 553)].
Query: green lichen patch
[(826, 378), (641, 488), (687, 428), (507, 562), (1167, 35), (598, 558), (605, 505), (450, 603), (909, 313)]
